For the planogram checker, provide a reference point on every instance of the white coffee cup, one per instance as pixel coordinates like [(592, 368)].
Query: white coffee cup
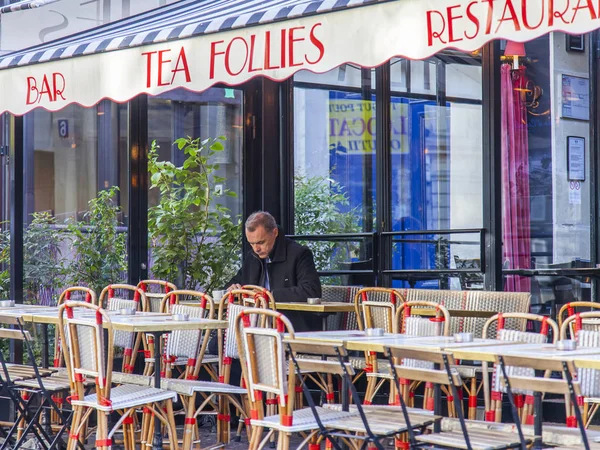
[(218, 295)]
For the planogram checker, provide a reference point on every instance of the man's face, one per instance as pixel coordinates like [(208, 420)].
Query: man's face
[(262, 241)]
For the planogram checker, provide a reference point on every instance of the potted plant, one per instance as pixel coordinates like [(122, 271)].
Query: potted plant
[(194, 238)]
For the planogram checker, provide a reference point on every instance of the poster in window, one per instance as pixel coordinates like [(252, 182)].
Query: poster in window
[(575, 98), (576, 158)]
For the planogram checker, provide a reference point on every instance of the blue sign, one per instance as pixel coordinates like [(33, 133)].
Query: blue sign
[(63, 128)]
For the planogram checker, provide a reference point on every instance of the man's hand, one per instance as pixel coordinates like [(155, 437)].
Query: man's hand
[(234, 286)]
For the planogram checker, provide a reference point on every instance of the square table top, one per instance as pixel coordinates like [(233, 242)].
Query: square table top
[(416, 342), (339, 337), (324, 307), (541, 351), (140, 322)]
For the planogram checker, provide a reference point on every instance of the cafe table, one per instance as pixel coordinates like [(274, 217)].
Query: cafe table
[(142, 322), (323, 308)]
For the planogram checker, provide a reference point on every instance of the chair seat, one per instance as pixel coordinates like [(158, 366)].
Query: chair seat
[(183, 387), (479, 439), (132, 378), (189, 387), (303, 420), (127, 396), (61, 374), (381, 422), (22, 372), (391, 408), (50, 384)]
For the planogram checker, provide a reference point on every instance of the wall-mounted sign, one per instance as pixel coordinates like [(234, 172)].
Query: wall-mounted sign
[(63, 128), (576, 158), (576, 43), (575, 98)]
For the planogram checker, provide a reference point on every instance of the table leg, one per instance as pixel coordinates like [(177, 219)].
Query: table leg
[(157, 442), (537, 423), (437, 403), (45, 364), (45, 354)]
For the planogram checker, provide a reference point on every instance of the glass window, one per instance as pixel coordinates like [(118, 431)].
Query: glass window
[(436, 162), (334, 163), (546, 206), (70, 157), (213, 113)]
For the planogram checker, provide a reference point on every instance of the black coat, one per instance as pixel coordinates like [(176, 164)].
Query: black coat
[(292, 277)]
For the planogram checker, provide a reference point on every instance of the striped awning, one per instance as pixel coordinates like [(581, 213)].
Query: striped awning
[(196, 44), (27, 4)]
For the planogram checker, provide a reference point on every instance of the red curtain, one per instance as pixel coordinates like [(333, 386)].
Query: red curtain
[(515, 179)]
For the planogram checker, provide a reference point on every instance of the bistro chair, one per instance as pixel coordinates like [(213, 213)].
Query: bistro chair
[(578, 327), (571, 309), (85, 344), (523, 399), (74, 293), (111, 300), (265, 367), (188, 348), (374, 308), (435, 323), (444, 374), (340, 294), (31, 391), (372, 425), (231, 305), (155, 291)]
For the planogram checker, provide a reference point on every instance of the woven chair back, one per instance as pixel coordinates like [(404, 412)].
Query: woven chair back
[(376, 308), (73, 293), (476, 301), (263, 357), (187, 343), (340, 294), (155, 291), (504, 334), (81, 327), (572, 309)]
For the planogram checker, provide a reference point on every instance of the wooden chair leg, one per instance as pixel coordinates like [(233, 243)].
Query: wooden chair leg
[(188, 427)]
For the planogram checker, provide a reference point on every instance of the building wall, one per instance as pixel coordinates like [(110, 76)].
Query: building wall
[(27, 28)]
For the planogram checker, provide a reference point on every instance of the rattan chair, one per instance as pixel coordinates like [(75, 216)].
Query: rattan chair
[(231, 304), (341, 294), (84, 350), (493, 396), (406, 322), (31, 390), (265, 368), (111, 301), (444, 374), (190, 346), (370, 425), (155, 292), (577, 327), (74, 293), (571, 309)]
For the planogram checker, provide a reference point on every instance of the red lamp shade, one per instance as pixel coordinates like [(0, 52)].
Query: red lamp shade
[(514, 49)]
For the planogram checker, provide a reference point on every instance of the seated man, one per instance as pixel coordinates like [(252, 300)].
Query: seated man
[(281, 265)]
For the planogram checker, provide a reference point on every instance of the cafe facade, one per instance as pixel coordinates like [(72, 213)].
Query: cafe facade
[(459, 138)]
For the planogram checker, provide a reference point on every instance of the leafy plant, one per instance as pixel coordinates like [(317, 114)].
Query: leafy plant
[(45, 267), (195, 240), (319, 204), (100, 249)]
